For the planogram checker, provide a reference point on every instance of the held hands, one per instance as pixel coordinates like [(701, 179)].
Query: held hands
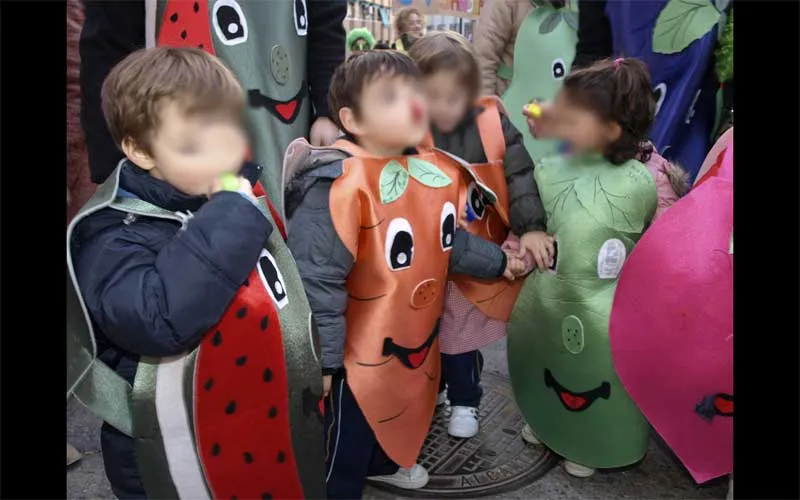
[(540, 119), (515, 267), (540, 245)]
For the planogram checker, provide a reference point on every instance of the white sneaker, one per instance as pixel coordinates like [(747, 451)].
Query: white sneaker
[(463, 422), (528, 436), (441, 399), (408, 479), (577, 470)]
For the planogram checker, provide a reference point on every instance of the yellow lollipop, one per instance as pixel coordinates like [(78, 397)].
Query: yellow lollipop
[(535, 110), (229, 182)]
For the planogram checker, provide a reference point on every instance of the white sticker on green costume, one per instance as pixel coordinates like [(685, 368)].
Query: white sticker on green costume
[(610, 259)]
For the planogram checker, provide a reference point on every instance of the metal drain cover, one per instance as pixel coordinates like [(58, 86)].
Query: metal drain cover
[(494, 461)]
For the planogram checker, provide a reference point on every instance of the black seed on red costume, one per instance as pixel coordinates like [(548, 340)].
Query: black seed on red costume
[(273, 412), (264, 322), (196, 7), (209, 384), (200, 46), (266, 496), (248, 458), (183, 35), (241, 360), (281, 457), (247, 282), (267, 375), (215, 449), (241, 313), (217, 338), (174, 17), (230, 408)]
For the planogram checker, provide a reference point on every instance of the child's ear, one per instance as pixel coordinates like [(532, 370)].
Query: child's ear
[(348, 120), (613, 131), (137, 155)]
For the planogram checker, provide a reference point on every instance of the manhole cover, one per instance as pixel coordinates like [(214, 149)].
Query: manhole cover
[(494, 461)]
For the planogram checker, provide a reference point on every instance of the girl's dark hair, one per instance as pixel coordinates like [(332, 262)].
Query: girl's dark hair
[(620, 91)]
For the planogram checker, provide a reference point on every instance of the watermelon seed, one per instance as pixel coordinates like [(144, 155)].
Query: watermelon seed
[(183, 35), (266, 496), (264, 322), (241, 360), (230, 408), (267, 375), (241, 313), (200, 46), (174, 17), (234, 498), (215, 449), (196, 7), (281, 457), (246, 280), (216, 340), (209, 383), (248, 458), (273, 412)]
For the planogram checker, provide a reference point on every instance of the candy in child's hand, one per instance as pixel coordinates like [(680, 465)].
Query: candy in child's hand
[(229, 182), (535, 110)]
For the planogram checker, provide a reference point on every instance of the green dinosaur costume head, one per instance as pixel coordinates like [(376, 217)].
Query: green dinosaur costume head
[(558, 351), (360, 39), (543, 55)]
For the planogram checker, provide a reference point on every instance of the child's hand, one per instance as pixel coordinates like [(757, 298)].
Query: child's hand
[(514, 267), (326, 384), (540, 121), (244, 187), (540, 245)]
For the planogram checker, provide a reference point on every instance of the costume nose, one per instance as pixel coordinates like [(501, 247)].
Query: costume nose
[(424, 294)]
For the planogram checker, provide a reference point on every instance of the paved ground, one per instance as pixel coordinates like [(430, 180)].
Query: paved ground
[(659, 476)]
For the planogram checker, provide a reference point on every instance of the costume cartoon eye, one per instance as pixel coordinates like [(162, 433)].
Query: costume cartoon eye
[(272, 279), (447, 226), (300, 17), (476, 207), (229, 22), (399, 244), (660, 93), (559, 69)]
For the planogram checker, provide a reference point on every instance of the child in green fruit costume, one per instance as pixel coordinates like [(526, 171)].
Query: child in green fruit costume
[(598, 204), (543, 53)]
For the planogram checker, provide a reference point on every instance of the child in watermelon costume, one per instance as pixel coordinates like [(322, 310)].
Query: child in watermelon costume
[(372, 225), (188, 329), (599, 201), (476, 312)]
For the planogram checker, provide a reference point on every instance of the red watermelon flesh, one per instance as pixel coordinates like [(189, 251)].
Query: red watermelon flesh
[(186, 23), (242, 402)]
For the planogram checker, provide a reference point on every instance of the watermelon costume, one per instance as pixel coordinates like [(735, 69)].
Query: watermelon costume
[(558, 352), (238, 416), (264, 44), (671, 327), (543, 55), (676, 39)]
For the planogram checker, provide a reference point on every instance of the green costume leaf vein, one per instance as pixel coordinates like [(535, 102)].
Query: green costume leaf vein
[(571, 18), (393, 182), (550, 23), (681, 23), (427, 173)]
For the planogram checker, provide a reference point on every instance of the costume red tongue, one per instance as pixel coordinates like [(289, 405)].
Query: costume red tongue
[(573, 402), (417, 358), (723, 405), (286, 109)]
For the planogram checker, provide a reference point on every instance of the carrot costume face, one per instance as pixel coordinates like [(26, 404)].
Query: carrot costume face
[(397, 216)]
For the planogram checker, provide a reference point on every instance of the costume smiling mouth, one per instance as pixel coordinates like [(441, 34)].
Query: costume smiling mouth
[(576, 401), (411, 358), (285, 111)]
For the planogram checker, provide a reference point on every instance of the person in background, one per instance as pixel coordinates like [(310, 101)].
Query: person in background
[(494, 42), (383, 45), (409, 26), (360, 39), (114, 29)]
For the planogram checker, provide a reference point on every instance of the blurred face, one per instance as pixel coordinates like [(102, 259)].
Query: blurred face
[(448, 99), (191, 151), (415, 25), (583, 129), (393, 115)]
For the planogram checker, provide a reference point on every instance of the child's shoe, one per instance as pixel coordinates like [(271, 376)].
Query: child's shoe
[(528, 436), (577, 470), (729, 496), (441, 399), (408, 479), (463, 422)]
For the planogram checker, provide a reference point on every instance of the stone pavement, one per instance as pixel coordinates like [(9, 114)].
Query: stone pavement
[(658, 476)]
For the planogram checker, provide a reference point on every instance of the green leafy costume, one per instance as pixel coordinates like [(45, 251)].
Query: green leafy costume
[(543, 55), (558, 352), (360, 39)]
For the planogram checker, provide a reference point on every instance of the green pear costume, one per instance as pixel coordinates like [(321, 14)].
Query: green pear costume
[(263, 42), (543, 55), (558, 353)]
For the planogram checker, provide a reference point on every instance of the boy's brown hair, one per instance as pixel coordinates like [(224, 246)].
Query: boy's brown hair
[(618, 91), (447, 51), (360, 69), (136, 89)]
